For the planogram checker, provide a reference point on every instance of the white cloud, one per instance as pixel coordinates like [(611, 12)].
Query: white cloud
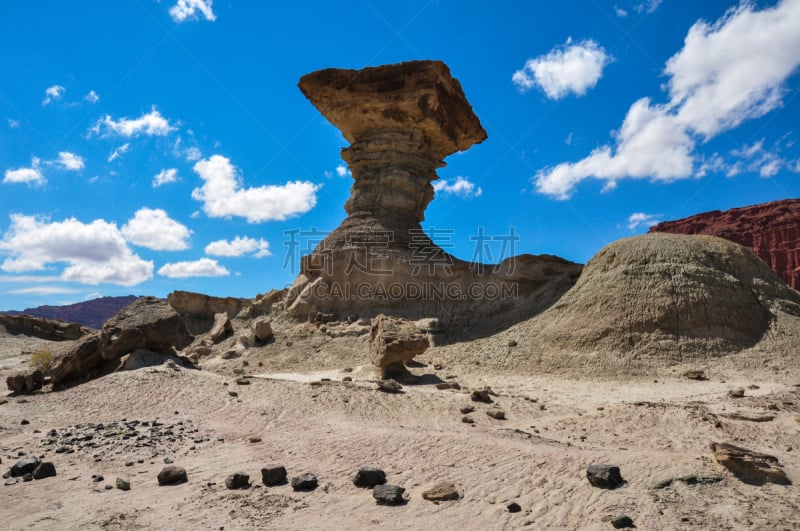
[(342, 170), (222, 194), (204, 267), (53, 93), (152, 124), (726, 73), (568, 69), (621, 13), (165, 176), (460, 187), (31, 176), (92, 97), (649, 6), (187, 9), (69, 161), (192, 154), (117, 153), (13, 124), (239, 246), (43, 290), (638, 219), (93, 252), (154, 229)]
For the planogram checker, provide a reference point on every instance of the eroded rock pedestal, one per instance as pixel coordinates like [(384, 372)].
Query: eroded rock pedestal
[(402, 121)]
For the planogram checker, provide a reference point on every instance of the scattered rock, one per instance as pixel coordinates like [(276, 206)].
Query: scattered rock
[(254, 439), (513, 507), (45, 469), (622, 522), (448, 385), (442, 491), (24, 466), (305, 482), (237, 480), (389, 386), (273, 475), (467, 420), (25, 381), (697, 374), (172, 475), (496, 413), (481, 395), (394, 342), (736, 393), (25, 422), (512, 343), (388, 494), (604, 476), (221, 328), (242, 381), (749, 466), (467, 409), (368, 477), (10, 481), (123, 484), (262, 329)]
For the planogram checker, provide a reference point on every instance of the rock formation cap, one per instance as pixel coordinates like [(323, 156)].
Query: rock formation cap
[(420, 95)]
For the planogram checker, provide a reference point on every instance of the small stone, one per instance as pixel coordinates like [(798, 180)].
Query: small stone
[(254, 439), (481, 395), (388, 494), (304, 482), (233, 394), (467, 420), (604, 476), (27, 477), (10, 481), (129, 463), (466, 409), (123, 484), (25, 422), (109, 487), (496, 413), (168, 461), (448, 385), (512, 343), (513, 507), (697, 374), (97, 478), (237, 480), (347, 379), (622, 522), (736, 393), (368, 477), (389, 386), (442, 491), (24, 466), (273, 475), (242, 381), (172, 475), (44, 470)]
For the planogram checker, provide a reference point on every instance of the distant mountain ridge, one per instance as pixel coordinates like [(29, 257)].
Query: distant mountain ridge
[(91, 313)]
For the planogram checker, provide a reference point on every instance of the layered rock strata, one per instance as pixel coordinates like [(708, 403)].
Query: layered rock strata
[(770, 230), (402, 121)]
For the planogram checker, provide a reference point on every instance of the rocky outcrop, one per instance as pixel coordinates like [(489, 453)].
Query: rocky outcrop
[(748, 465), (198, 310), (770, 230), (393, 343), (149, 323), (402, 120), (661, 299), (49, 329)]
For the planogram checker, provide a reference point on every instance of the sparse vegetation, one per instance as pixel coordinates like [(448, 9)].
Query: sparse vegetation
[(43, 360)]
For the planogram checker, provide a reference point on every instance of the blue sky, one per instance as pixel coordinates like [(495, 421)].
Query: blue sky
[(148, 146)]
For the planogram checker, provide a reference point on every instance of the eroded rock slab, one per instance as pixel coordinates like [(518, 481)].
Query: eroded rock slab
[(748, 465), (394, 342)]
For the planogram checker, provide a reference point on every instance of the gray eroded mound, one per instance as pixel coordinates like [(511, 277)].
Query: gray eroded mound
[(661, 299)]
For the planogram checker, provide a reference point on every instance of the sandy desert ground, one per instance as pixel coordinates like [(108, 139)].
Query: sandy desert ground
[(654, 428)]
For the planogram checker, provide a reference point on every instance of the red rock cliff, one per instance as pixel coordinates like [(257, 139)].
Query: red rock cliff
[(771, 230)]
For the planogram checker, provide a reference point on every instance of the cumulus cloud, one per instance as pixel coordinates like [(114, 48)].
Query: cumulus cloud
[(239, 246), (13, 124), (204, 267), (342, 170), (460, 187), (69, 161), (572, 68), (93, 252), (165, 176), (191, 9), (154, 229), (151, 124), (620, 12), (31, 176), (638, 219), (117, 153), (223, 195), (192, 154), (53, 93), (92, 97), (727, 72)]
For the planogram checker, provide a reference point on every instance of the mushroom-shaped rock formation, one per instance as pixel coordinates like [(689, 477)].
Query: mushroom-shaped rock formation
[(402, 120)]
